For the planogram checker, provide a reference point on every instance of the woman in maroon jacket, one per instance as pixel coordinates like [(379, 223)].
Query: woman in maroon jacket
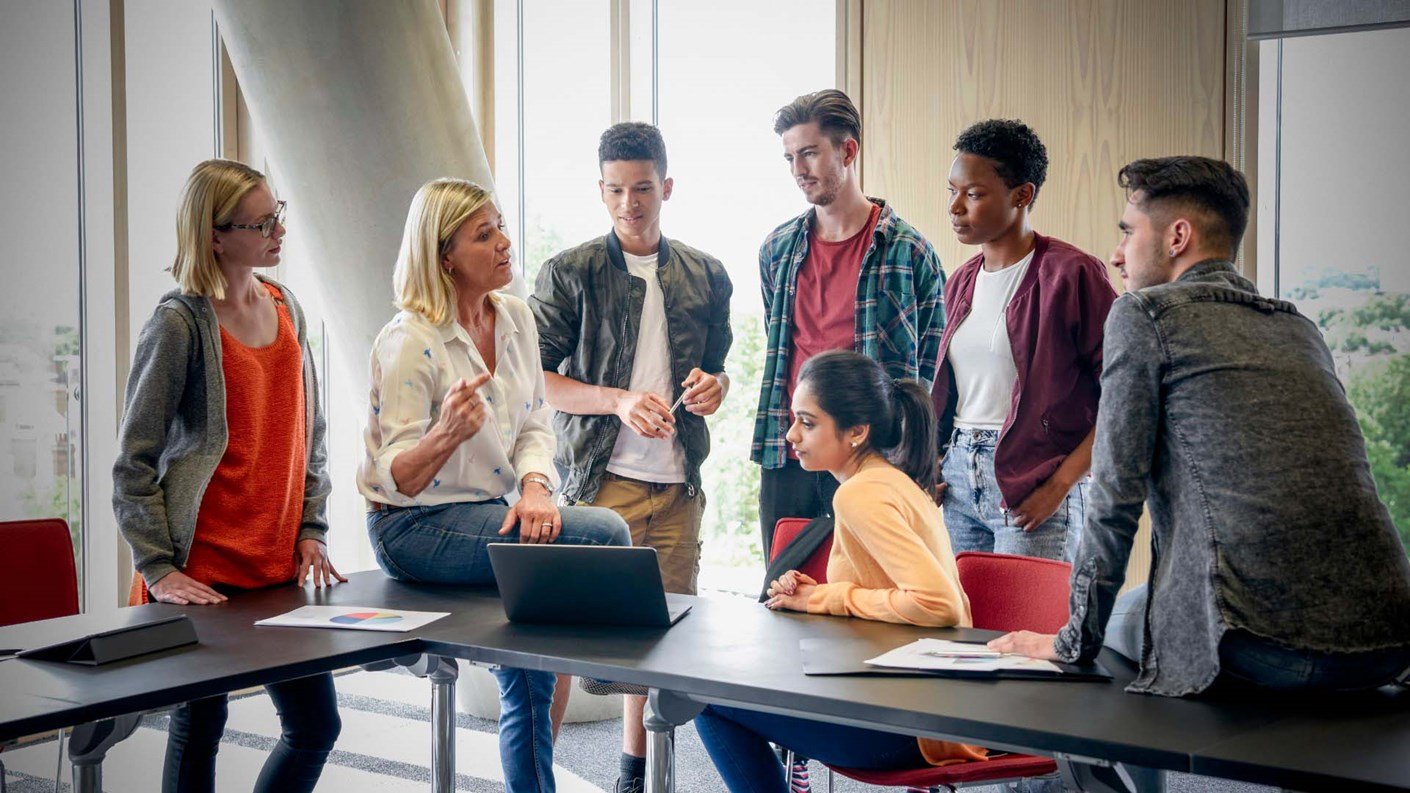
[(1020, 360)]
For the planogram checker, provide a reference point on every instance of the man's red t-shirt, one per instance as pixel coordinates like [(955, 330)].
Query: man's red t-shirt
[(825, 298)]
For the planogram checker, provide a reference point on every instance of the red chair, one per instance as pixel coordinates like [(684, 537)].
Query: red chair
[(785, 531), (1006, 593), (37, 576), (1015, 593)]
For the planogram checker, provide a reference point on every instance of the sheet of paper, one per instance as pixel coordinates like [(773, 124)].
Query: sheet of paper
[(942, 654), (354, 618)]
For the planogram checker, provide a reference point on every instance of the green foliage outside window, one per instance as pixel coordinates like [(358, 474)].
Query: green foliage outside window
[(730, 530), (1371, 345), (1382, 400)]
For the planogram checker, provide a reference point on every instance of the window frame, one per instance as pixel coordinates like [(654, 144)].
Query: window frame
[(634, 77)]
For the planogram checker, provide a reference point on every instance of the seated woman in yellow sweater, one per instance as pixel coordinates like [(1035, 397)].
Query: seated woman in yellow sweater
[(890, 561)]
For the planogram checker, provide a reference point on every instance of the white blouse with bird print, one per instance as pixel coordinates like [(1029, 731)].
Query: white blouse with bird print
[(414, 364)]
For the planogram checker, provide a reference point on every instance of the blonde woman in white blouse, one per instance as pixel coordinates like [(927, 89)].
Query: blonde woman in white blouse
[(458, 422)]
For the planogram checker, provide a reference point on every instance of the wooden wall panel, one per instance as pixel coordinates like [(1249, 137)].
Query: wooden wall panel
[(1103, 82)]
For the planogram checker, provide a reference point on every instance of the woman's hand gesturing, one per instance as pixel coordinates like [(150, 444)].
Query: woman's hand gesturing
[(462, 411)]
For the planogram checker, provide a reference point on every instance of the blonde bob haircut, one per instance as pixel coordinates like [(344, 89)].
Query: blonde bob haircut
[(421, 285), (209, 199)]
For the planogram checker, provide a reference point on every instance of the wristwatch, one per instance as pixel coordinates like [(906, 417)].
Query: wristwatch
[(539, 479)]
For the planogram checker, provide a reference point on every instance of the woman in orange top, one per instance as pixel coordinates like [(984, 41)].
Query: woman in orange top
[(890, 561), (220, 481)]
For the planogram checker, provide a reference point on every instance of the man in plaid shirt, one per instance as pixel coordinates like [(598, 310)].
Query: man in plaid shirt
[(847, 274)]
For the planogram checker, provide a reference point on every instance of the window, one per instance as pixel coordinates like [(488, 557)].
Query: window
[(568, 71), (1332, 165), (549, 114), (40, 384), (732, 188)]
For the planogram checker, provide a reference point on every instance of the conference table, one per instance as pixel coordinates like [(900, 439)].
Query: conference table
[(726, 651)]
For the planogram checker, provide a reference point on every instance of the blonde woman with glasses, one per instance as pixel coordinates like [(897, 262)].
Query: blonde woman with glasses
[(220, 481), (458, 421)]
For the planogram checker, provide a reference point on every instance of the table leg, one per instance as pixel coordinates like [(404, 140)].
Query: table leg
[(1100, 776), (89, 744), (442, 672), (665, 710), (443, 679)]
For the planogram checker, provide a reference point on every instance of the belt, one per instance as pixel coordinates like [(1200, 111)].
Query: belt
[(689, 488), (377, 506)]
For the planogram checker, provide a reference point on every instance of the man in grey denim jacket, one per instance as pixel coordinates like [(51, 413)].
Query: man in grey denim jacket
[(1274, 563)]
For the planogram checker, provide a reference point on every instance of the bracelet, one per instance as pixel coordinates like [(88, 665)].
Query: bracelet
[(539, 479)]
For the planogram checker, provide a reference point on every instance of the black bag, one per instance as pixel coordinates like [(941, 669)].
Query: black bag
[(796, 553)]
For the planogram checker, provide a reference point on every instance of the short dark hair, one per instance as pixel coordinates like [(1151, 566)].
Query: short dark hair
[(1216, 192), (633, 140), (1014, 148), (833, 112), (856, 390)]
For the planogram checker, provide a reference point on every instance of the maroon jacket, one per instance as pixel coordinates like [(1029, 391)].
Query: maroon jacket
[(1055, 329)]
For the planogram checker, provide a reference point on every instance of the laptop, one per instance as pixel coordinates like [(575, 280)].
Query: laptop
[(584, 585)]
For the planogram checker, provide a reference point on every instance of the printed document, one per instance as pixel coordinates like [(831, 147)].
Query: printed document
[(355, 618), (942, 654)]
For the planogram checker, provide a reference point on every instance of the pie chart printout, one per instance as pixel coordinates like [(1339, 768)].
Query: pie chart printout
[(353, 617), (366, 617)]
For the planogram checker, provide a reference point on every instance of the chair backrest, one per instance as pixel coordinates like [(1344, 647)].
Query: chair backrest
[(1015, 593), (37, 576), (785, 531)]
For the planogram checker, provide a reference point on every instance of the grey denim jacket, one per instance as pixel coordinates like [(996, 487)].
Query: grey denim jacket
[(1221, 409), (174, 433), (588, 310)]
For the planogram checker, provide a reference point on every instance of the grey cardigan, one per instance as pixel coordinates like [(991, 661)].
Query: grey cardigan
[(174, 434)]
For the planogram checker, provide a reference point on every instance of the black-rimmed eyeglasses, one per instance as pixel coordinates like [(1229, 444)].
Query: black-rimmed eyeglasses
[(265, 227)]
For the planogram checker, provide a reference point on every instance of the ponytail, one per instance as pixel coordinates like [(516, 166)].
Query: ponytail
[(914, 451)]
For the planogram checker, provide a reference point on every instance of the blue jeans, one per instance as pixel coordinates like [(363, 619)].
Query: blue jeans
[(309, 726), (1247, 660), (446, 544), (738, 743), (973, 515), (526, 729)]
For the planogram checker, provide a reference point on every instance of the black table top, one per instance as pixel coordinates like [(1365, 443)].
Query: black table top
[(232, 653), (1352, 742), (725, 651), (742, 653), (738, 652)]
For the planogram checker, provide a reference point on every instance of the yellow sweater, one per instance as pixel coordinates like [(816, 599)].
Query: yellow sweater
[(891, 561)]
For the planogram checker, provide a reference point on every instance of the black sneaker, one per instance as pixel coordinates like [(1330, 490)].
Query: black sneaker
[(634, 785)]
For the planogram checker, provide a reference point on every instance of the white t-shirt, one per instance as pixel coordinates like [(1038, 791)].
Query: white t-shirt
[(660, 460), (980, 353)]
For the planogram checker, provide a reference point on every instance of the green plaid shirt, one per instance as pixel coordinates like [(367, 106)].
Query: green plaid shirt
[(900, 314)]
